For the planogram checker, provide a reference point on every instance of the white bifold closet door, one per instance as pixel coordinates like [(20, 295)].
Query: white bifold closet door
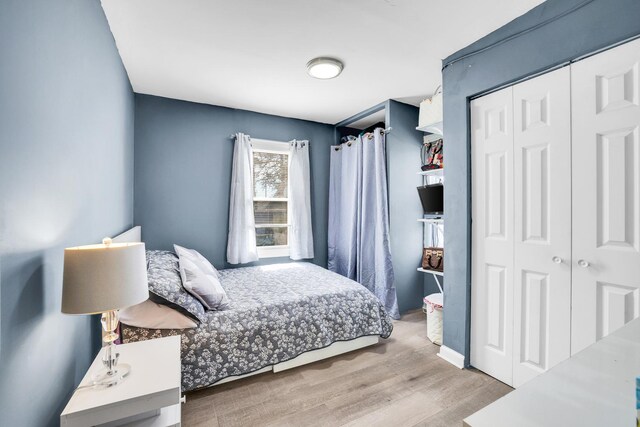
[(521, 231), (606, 193), (542, 250), (492, 235)]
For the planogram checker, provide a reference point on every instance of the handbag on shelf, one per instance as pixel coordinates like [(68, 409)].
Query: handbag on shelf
[(433, 259), (432, 155)]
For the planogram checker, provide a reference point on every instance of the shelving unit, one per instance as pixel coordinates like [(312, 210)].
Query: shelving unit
[(432, 176), (431, 220), (432, 172)]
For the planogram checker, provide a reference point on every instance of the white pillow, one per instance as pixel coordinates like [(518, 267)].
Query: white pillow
[(200, 279), (151, 315)]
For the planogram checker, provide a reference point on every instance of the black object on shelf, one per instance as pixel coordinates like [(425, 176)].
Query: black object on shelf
[(432, 199)]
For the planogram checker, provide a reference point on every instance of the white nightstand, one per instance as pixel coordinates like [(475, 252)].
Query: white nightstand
[(149, 396)]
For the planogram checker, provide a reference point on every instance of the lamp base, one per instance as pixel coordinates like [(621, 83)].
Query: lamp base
[(107, 378), (112, 373)]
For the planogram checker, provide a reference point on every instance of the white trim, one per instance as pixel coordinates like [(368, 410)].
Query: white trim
[(274, 147), (269, 146), (270, 199), (258, 150), (451, 356), (273, 251)]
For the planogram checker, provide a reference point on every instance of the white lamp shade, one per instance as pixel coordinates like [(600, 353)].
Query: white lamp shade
[(100, 278)]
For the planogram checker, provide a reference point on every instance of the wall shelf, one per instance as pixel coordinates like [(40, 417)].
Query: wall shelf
[(432, 128), (432, 172), (431, 220), (432, 226)]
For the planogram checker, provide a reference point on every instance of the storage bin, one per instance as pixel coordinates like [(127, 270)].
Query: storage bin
[(433, 308)]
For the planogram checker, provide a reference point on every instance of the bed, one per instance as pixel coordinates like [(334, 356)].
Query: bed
[(279, 317)]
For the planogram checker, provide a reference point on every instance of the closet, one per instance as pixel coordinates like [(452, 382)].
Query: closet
[(403, 144), (555, 214)]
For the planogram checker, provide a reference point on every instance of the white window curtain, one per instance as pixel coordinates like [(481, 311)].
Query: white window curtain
[(241, 244), (301, 233)]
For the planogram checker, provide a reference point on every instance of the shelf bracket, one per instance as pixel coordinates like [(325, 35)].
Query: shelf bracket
[(438, 282)]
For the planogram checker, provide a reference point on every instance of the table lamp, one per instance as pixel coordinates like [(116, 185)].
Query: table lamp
[(103, 279)]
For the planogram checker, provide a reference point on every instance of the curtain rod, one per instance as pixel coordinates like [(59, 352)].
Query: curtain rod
[(386, 130), (349, 138), (233, 136)]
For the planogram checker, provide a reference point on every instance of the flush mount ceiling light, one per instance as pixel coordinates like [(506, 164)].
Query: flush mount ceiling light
[(324, 68)]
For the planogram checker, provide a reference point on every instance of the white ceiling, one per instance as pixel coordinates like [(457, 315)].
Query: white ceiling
[(253, 54)]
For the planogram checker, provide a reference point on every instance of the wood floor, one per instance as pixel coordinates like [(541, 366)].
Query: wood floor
[(399, 382)]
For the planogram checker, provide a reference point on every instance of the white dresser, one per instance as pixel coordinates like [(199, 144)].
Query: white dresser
[(596, 387), (149, 396)]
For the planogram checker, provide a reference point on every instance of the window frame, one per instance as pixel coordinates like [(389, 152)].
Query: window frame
[(272, 147)]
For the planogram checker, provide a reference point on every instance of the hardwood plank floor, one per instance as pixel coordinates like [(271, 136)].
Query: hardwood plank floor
[(399, 382)]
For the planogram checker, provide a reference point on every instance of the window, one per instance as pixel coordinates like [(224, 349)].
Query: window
[(271, 197)]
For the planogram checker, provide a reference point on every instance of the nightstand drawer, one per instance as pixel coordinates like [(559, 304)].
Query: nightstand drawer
[(152, 389)]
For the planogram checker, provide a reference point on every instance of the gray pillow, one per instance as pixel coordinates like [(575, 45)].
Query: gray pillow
[(200, 279), (165, 285)]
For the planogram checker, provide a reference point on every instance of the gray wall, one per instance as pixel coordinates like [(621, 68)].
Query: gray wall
[(553, 33), (183, 157), (66, 178), (403, 159)]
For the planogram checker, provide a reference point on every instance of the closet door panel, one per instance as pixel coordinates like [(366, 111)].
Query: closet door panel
[(606, 193), (542, 239), (492, 235)]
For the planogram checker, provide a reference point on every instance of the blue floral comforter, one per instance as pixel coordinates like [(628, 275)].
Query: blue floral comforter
[(276, 313)]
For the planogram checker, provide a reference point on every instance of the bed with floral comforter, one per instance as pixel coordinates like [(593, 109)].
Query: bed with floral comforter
[(276, 313)]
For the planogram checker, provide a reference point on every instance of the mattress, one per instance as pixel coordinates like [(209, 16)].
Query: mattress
[(276, 313)]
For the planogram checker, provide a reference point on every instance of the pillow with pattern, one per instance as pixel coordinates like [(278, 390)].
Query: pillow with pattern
[(165, 285), (200, 279)]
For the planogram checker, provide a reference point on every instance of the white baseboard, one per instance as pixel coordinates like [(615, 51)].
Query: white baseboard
[(452, 356)]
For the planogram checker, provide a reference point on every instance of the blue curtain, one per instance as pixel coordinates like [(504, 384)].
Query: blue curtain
[(358, 239)]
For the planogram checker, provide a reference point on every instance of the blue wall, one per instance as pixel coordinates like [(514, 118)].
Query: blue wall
[(66, 178), (553, 33), (183, 157)]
